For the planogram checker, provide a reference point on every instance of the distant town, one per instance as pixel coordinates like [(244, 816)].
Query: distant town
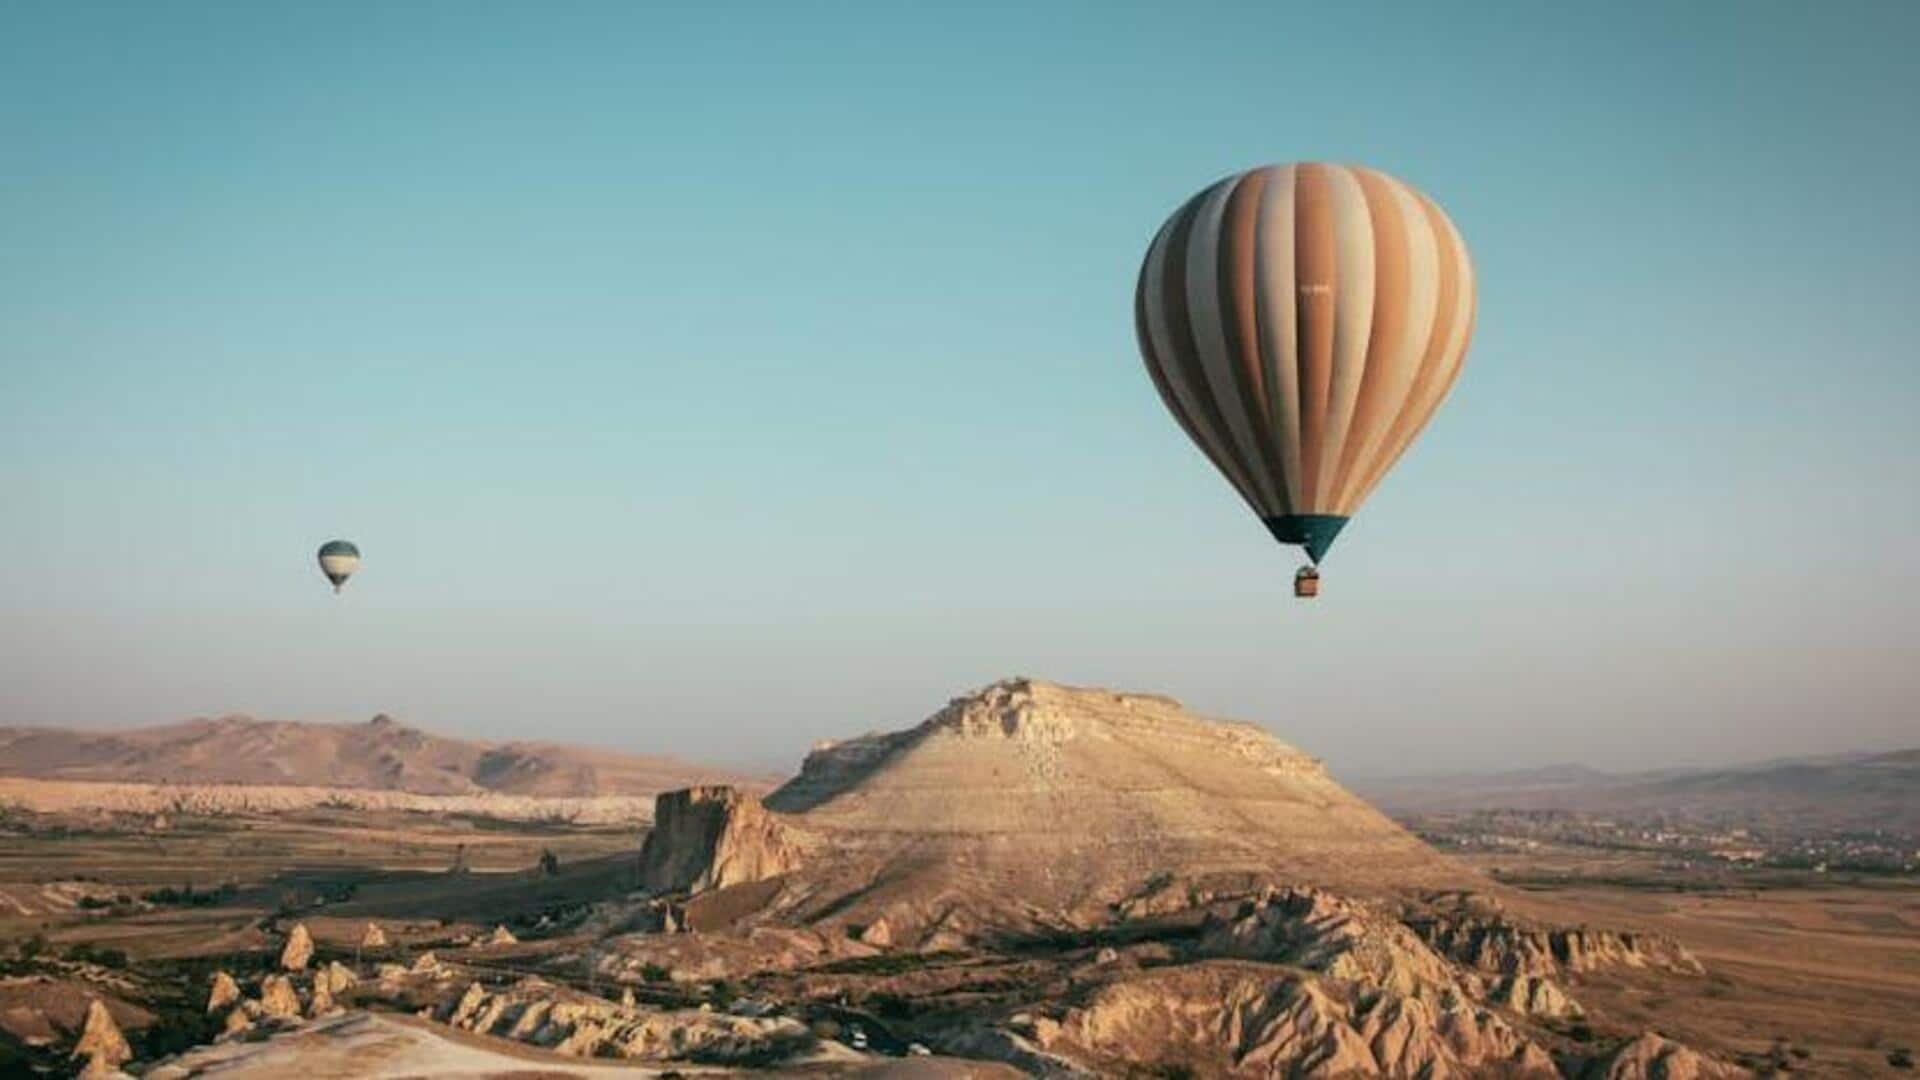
[(1678, 841)]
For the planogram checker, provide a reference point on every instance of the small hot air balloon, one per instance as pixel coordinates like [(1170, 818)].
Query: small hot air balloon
[(1302, 323), (338, 560)]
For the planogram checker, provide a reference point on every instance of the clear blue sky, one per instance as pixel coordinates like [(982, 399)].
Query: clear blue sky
[(718, 378)]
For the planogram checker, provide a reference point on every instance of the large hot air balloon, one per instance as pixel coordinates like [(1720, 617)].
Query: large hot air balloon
[(338, 560), (1302, 323)]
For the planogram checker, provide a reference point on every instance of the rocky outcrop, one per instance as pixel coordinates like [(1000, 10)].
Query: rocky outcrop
[(223, 993), (1652, 1057), (298, 951), (277, 997), (1504, 947), (101, 1043), (711, 837), (577, 1025), (240, 1020), (1251, 1020), (320, 1000), (706, 957), (1411, 1037), (336, 977), (501, 936), (1038, 845), (1078, 795), (1535, 995), (374, 938), (1344, 939)]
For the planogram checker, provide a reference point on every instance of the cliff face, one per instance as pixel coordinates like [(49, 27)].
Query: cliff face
[(1505, 947), (711, 837)]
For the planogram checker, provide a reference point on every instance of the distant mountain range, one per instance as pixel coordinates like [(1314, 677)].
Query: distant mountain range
[(1866, 790), (382, 754)]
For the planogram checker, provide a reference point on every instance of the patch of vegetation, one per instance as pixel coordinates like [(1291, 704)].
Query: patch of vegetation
[(19, 1059), (188, 896), (883, 964), (83, 953)]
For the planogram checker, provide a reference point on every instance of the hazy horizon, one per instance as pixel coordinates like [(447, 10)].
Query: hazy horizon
[(710, 393), (782, 768)]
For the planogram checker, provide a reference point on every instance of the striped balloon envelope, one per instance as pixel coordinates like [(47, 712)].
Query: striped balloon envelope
[(1302, 323), (338, 560)]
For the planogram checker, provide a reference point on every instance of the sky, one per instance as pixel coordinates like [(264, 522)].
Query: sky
[(715, 379)]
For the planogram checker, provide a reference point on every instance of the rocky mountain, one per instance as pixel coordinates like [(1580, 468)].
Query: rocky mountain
[(381, 755), (1864, 791), (1031, 806), (1082, 883)]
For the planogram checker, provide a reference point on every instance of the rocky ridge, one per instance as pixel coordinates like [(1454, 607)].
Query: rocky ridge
[(581, 1025), (380, 755), (228, 800)]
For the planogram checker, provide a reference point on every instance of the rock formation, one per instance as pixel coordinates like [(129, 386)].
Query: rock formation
[(1221, 1018), (299, 949), (320, 1000), (1082, 797), (1156, 892), (239, 1021), (582, 1026), (502, 936), (101, 1043), (374, 938), (1535, 995), (223, 993), (1652, 1057), (277, 997), (712, 837), (1345, 939), (1027, 807), (1503, 946), (335, 977)]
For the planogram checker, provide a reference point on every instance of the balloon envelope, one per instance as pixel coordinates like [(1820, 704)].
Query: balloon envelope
[(1302, 323), (338, 560)]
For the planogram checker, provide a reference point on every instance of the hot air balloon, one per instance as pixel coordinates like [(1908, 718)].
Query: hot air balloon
[(1302, 323), (338, 560)]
